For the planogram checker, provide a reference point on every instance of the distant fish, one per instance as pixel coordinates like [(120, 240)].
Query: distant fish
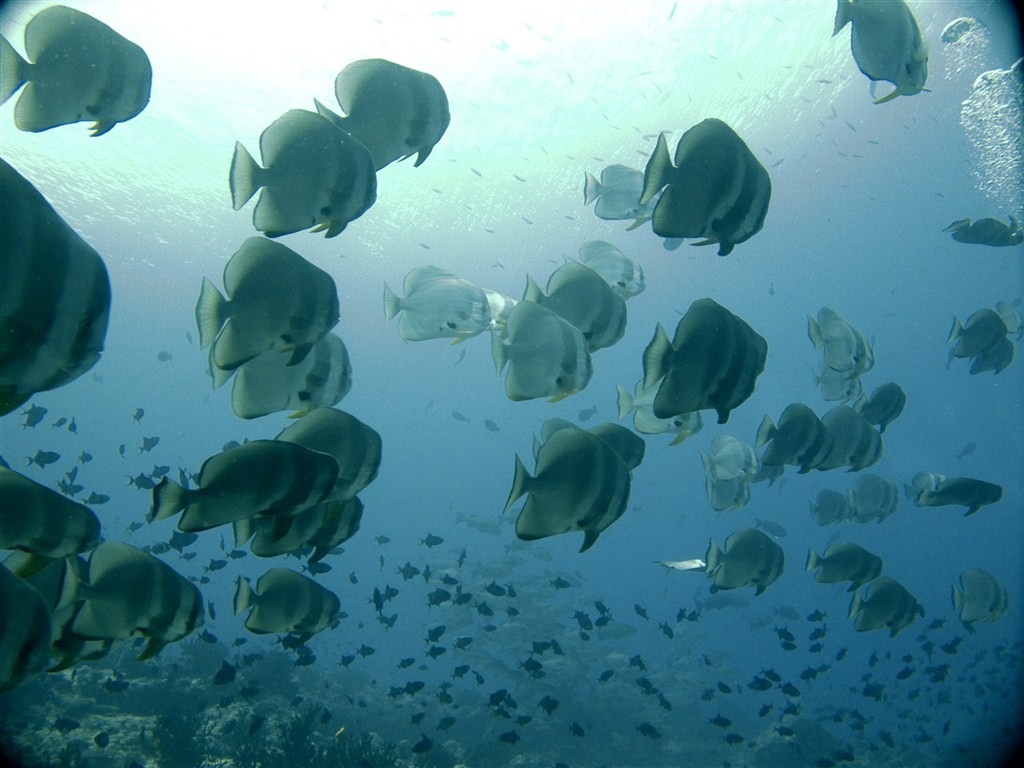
[(582, 297), (33, 415), (80, 70), (884, 604), (845, 562), (884, 406), (285, 601), (617, 194), (43, 458), (845, 349), (749, 558), (934, 490), (641, 405), (770, 527), (979, 597), (563, 497), (987, 232)]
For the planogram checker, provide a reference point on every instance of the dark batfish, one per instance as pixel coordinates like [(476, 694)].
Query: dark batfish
[(717, 190), (54, 296), (393, 111), (314, 176), (80, 70), (987, 232), (712, 362)]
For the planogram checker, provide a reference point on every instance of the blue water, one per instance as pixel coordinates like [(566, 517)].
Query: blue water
[(861, 193)]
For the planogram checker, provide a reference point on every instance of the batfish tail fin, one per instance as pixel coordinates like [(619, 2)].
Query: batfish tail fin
[(499, 352), (520, 484), (765, 432), (591, 188), (655, 360), (210, 313), (812, 560), (243, 595), (13, 70), (245, 177), (169, 498), (658, 171), (625, 401), (392, 304)]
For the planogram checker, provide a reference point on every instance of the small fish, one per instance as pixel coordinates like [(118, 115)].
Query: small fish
[(225, 675), (33, 415), (490, 425), (431, 540), (115, 686), (43, 458), (66, 724), (148, 444), (163, 356)]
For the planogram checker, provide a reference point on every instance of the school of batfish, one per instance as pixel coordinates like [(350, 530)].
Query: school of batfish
[(69, 593)]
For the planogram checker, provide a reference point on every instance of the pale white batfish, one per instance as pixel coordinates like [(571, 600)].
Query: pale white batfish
[(622, 273), (617, 194), (845, 348), (438, 305), (683, 565), (641, 405)]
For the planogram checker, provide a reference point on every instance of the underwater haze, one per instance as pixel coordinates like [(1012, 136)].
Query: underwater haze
[(561, 657)]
